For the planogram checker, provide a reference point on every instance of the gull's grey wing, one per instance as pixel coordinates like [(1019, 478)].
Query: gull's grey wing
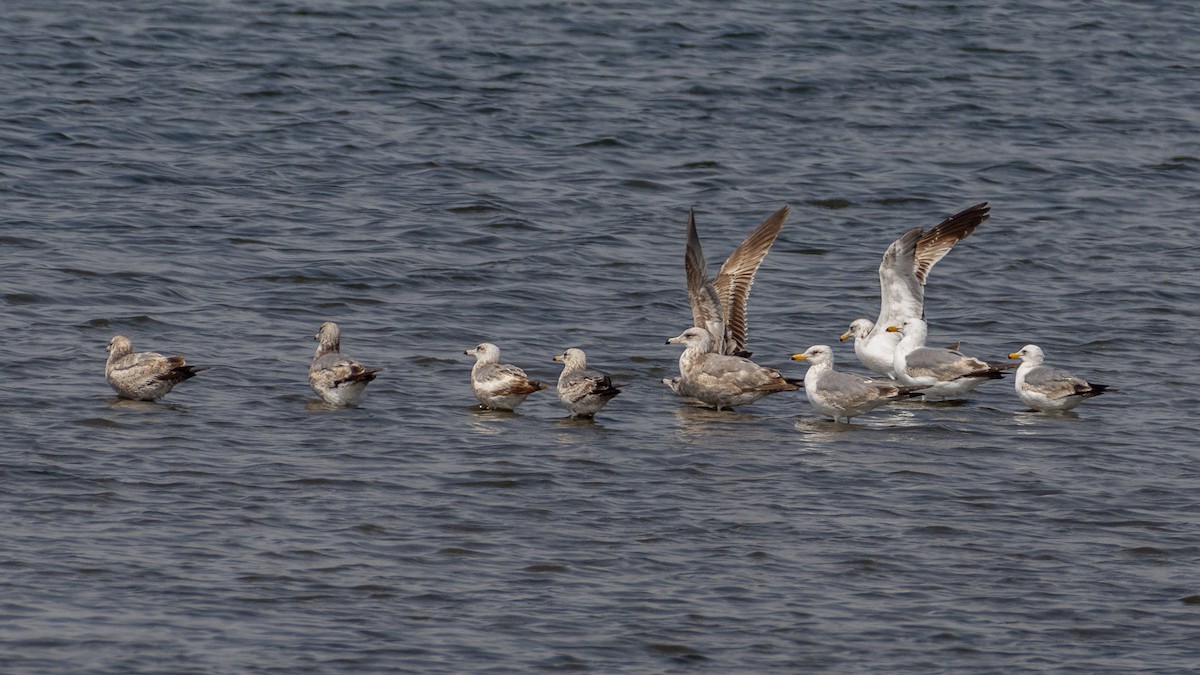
[(850, 391), (734, 375), (334, 368), (1054, 382), (583, 383), (942, 364), (733, 282)]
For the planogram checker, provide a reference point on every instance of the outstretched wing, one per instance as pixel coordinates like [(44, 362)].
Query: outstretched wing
[(937, 242), (733, 282), (706, 306)]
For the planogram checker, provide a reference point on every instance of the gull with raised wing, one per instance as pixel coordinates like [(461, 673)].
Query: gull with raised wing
[(143, 376), (582, 391), (902, 274), (944, 373), (338, 379), (722, 380), (499, 386), (839, 394), (1048, 389)]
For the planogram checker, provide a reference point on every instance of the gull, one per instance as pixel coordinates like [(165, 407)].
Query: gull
[(1048, 389), (143, 376), (902, 273), (722, 380), (584, 392), (719, 305), (845, 395), (338, 379), (499, 386), (945, 373)]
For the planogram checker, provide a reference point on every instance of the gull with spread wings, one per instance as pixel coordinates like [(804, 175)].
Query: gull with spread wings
[(902, 273), (719, 304)]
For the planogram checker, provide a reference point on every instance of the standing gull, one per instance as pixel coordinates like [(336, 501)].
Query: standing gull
[(840, 394), (719, 305), (144, 376), (584, 392), (902, 274), (1048, 389), (337, 378), (721, 380), (499, 386), (945, 373)]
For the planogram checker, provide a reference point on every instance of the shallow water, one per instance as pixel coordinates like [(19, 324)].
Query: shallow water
[(217, 179)]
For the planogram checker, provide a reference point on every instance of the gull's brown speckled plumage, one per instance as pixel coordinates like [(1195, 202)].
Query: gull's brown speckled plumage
[(143, 376), (338, 379), (721, 380), (499, 386), (582, 391)]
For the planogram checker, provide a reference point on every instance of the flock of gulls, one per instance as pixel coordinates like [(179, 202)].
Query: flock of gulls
[(715, 369)]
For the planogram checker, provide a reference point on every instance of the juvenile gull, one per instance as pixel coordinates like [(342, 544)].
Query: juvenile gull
[(719, 305), (584, 392), (1048, 389), (945, 373), (499, 386), (902, 274), (840, 394), (338, 379), (144, 376), (721, 380)]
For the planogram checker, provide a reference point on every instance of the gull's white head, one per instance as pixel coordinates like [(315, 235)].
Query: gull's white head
[(693, 337), (910, 326), (859, 328), (1029, 354), (572, 357), (485, 352), (816, 355)]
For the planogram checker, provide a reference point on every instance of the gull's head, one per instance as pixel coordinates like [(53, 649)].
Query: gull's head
[(816, 355), (1029, 354), (572, 355), (692, 337), (909, 326), (119, 345), (484, 352), (858, 329), (329, 333)]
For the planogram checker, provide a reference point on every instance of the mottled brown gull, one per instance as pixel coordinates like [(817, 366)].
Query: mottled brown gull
[(499, 386), (1048, 389), (338, 379), (844, 395), (582, 391), (722, 380), (945, 373), (143, 376), (902, 274)]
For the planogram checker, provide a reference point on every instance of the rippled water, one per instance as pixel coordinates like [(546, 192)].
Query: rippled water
[(218, 178)]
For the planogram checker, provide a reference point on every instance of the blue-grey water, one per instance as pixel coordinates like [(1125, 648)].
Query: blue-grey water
[(218, 178)]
